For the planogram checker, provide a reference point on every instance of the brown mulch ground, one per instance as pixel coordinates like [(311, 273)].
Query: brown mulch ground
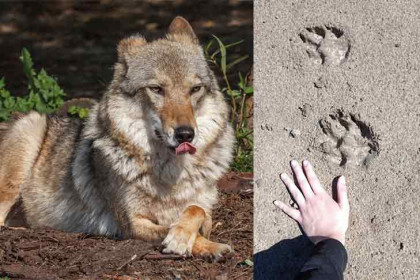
[(49, 254)]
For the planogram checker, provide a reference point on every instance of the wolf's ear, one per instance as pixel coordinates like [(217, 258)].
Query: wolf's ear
[(129, 47), (180, 30)]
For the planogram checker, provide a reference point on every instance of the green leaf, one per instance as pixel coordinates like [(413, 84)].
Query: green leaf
[(249, 90), (241, 83), (9, 103), (207, 47), (72, 110), (236, 61), (234, 93), (222, 53), (28, 66), (234, 44), (4, 93), (4, 115), (40, 107), (83, 113), (226, 47), (79, 112), (249, 262)]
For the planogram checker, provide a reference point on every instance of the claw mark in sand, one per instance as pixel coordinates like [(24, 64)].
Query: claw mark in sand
[(347, 140), (326, 44)]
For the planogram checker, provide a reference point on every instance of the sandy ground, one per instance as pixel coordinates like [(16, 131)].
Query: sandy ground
[(337, 84)]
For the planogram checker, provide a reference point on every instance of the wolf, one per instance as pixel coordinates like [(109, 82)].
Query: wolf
[(143, 165)]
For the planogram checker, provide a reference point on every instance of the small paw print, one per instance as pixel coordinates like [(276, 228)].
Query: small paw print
[(326, 45)]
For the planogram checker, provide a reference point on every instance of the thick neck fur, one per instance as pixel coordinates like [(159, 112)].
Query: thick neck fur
[(125, 137)]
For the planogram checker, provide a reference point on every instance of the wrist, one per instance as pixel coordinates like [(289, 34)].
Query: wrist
[(339, 237)]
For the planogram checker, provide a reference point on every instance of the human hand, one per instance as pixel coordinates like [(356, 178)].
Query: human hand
[(319, 215)]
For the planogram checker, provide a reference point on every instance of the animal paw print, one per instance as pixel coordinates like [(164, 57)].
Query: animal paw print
[(326, 44), (347, 140), (266, 127)]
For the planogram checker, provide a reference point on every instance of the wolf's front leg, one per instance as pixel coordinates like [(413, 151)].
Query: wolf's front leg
[(182, 235), (146, 230)]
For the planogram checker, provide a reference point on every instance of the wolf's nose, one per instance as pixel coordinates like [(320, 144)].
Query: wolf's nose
[(184, 134)]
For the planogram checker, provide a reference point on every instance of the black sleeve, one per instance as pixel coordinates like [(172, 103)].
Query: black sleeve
[(327, 262)]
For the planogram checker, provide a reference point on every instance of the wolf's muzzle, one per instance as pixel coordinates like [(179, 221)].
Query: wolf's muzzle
[(184, 133)]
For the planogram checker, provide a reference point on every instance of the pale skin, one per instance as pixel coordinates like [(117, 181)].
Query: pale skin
[(320, 216)]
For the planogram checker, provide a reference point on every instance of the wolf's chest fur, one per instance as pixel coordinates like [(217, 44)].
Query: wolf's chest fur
[(114, 167)]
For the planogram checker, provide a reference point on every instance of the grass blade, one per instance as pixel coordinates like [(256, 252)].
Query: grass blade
[(236, 61), (222, 53)]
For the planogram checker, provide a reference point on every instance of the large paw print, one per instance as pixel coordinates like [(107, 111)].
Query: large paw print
[(347, 140), (326, 45)]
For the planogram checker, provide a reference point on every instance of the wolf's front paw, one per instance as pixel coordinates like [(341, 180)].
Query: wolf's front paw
[(179, 241), (212, 250), (219, 252)]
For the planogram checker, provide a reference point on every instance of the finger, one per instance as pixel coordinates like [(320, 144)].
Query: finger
[(301, 179), (312, 178), (289, 211), (342, 194), (294, 191)]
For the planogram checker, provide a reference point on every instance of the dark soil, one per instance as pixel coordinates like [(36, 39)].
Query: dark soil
[(76, 41), (50, 254)]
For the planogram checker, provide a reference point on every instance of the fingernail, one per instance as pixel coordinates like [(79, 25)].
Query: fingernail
[(305, 163), (283, 176), (294, 163), (343, 179), (276, 202)]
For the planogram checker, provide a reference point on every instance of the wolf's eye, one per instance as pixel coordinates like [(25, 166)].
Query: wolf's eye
[(196, 89), (156, 89)]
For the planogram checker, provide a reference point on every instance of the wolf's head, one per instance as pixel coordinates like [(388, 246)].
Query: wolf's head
[(167, 78)]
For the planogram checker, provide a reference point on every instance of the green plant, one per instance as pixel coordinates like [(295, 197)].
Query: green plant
[(43, 89), (44, 93), (238, 96), (79, 112)]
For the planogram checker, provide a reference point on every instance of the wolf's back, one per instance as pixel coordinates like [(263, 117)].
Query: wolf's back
[(20, 141), (3, 130), (5, 126)]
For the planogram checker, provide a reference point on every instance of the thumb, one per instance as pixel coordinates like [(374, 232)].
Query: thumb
[(342, 194)]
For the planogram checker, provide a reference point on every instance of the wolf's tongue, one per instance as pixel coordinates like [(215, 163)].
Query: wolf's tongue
[(185, 148)]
